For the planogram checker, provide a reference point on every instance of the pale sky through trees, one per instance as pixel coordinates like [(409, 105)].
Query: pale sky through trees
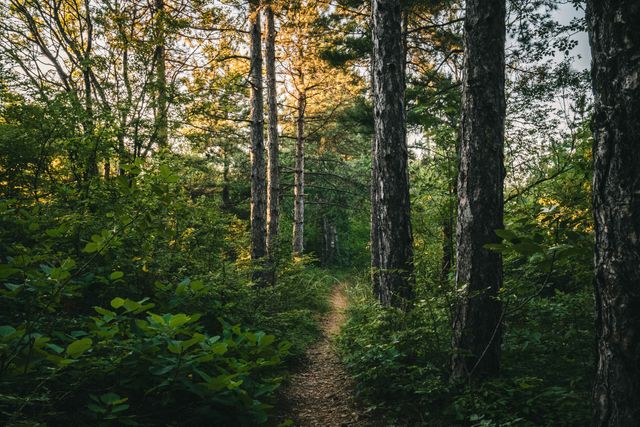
[(565, 13)]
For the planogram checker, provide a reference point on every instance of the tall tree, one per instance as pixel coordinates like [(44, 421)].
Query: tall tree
[(161, 122), (258, 170), (477, 322), (298, 189), (273, 150), (614, 34), (392, 252)]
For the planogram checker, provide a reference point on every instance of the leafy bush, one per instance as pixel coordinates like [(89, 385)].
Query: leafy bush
[(133, 305), (400, 363)]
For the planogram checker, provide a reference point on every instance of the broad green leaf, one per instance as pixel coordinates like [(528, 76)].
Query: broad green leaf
[(78, 347), (117, 302), (112, 398), (119, 408), (175, 347), (506, 234), (219, 348), (96, 409), (68, 264), (527, 247), (104, 312), (131, 305), (91, 247), (116, 275), (6, 330), (179, 320), (55, 348), (161, 370), (157, 319)]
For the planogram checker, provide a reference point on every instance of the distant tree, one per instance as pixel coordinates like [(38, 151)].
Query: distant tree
[(476, 324), (273, 148), (161, 126), (258, 170), (614, 33), (391, 238)]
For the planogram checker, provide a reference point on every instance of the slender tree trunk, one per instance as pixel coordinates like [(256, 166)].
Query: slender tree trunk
[(298, 190), (161, 124), (477, 323), (273, 174), (392, 252), (92, 166), (330, 241), (258, 170), (614, 33)]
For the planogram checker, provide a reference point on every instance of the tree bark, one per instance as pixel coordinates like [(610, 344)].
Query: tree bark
[(392, 252), (614, 34), (92, 162), (477, 322), (273, 152), (161, 122), (298, 189), (258, 170), (330, 241)]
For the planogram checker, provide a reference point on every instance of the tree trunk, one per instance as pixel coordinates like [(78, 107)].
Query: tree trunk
[(614, 33), (298, 189), (330, 241), (477, 322), (161, 123), (392, 252), (273, 179), (258, 170), (92, 166)]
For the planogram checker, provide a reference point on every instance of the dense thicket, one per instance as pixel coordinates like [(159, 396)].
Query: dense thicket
[(161, 264)]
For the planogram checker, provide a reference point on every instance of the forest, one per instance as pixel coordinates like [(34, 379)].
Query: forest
[(320, 213)]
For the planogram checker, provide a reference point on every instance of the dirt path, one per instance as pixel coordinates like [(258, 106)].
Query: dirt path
[(321, 393)]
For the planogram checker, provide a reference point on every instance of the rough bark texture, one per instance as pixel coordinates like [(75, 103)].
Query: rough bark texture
[(273, 172), (614, 30), (298, 189), (476, 325), (258, 170), (392, 252), (161, 125)]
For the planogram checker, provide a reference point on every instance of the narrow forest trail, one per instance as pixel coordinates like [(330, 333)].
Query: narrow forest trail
[(320, 393)]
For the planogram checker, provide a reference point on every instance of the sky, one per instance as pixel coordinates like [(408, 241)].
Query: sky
[(564, 14)]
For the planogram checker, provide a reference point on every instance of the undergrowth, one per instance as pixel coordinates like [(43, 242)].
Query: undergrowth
[(400, 363)]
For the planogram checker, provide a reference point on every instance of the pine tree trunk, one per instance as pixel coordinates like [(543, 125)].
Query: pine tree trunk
[(298, 189), (258, 169), (330, 241), (614, 30), (477, 322), (392, 252), (273, 178), (161, 123)]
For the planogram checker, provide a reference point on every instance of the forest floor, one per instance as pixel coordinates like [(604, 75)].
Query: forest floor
[(320, 392)]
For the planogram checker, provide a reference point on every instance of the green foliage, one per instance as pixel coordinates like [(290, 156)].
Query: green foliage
[(133, 305), (400, 361)]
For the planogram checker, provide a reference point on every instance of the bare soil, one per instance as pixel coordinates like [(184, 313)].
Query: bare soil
[(320, 393)]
